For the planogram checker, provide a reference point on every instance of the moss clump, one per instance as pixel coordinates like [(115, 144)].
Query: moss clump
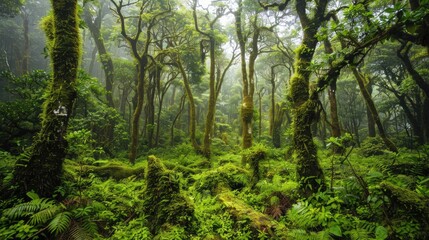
[(226, 176), (116, 171), (164, 205)]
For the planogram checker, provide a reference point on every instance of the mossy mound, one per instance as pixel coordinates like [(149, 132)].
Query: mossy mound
[(372, 146), (226, 176), (258, 221), (164, 205)]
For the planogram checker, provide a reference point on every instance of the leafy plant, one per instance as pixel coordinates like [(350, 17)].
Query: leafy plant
[(69, 219)]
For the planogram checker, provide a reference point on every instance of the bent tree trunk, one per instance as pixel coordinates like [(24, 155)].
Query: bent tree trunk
[(361, 82), (42, 171)]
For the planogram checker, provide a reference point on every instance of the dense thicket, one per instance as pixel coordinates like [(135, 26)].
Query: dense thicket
[(229, 119)]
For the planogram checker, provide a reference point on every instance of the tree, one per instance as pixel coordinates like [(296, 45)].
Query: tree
[(247, 72), (215, 83), (144, 20), (309, 172), (42, 170)]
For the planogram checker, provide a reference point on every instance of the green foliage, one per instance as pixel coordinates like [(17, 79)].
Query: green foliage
[(134, 229), (66, 220), (20, 117)]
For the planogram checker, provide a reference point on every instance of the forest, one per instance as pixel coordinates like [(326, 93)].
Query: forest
[(214, 119)]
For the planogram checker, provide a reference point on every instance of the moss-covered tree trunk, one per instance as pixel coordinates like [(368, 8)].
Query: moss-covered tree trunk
[(247, 77), (309, 172), (212, 102), (42, 171), (142, 64)]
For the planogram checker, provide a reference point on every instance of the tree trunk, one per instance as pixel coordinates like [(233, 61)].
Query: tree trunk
[(192, 111), (335, 124), (309, 172), (370, 104), (370, 119), (42, 171), (247, 78), (142, 63), (212, 102)]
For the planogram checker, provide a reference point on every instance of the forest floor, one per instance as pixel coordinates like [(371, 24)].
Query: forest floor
[(176, 194)]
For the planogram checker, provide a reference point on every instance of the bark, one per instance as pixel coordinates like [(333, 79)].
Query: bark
[(42, 171), (370, 104)]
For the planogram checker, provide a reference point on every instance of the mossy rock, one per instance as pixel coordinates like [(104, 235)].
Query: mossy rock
[(229, 176), (164, 204)]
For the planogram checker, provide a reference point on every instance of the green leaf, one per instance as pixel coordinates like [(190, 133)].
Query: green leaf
[(381, 233), (336, 231), (32, 195)]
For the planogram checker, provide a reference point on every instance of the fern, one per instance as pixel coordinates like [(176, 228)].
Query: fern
[(60, 223), (29, 208), (44, 215)]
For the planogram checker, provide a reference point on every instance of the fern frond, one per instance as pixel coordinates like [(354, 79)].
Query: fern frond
[(88, 225), (44, 215), (60, 223), (28, 208), (75, 232)]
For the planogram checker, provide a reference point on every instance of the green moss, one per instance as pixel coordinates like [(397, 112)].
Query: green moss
[(247, 109), (116, 171), (226, 176), (179, 168), (164, 204), (407, 199)]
